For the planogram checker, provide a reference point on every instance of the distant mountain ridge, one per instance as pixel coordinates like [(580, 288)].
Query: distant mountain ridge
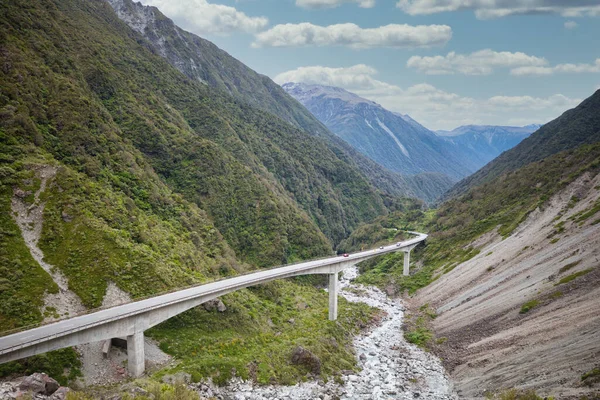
[(393, 140), (483, 143), (572, 129)]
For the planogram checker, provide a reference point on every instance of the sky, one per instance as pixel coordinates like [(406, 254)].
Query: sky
[(446, 63)]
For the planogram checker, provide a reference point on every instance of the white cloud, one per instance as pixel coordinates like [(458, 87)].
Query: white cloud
[(333, 3), (485, 9), (480, 62), (202, 17), (557, 69), (433, 107), (351, 35), (571, 25)]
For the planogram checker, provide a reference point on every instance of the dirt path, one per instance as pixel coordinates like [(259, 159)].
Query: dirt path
[(490, 343)]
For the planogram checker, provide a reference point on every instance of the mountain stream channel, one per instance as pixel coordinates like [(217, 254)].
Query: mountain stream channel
[(392, 368)]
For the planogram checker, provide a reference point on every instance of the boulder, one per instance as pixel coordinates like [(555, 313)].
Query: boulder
[(304, 357), (66, 216), (33, 383), (221, 306), (51, 385), (20, 193), (39, 383), (215, 305)]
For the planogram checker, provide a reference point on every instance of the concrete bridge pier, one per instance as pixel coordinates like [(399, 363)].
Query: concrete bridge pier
[(333, 294), (406, 269), (136, 360)]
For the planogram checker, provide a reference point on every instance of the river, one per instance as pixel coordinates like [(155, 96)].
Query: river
[(391, 367)]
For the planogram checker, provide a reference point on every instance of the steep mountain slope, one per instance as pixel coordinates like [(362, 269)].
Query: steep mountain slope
[(511, 270), (381, 135), (202, 61), (574, 128), (117, 171), (482, 143), (79, 92)]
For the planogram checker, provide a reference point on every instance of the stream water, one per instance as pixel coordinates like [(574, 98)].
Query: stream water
[(391, 367)]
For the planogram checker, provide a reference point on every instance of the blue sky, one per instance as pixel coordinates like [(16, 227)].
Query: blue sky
[(444, 62)]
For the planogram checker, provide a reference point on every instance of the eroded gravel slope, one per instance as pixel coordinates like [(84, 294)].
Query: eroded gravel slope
[(490, 344)]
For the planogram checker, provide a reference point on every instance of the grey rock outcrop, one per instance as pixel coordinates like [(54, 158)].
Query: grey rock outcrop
[(39, 383), (304, 357)]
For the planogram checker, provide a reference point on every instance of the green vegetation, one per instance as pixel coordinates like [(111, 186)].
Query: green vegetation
[(63, 365), (384, 230), (528, 306), (22, 281), (515, 394), (582, 216), (257, 334), (574, 276), (163, 182), (420, 335), (592, 377), (147, 390), (568, 266), (417, 328), (141, 129)]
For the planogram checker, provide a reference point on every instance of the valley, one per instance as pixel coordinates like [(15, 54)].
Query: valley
[(176, 225)]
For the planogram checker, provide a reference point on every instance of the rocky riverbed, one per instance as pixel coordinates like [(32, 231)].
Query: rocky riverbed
[(391, 367)]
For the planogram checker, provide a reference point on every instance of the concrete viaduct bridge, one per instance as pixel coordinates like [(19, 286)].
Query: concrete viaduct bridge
[(132, 319)]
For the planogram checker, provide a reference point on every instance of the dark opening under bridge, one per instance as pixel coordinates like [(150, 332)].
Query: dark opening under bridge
[(132, 319)]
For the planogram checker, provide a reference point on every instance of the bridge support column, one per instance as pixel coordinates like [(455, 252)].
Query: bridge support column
[(136, 359), (333, 292), (405, 272)]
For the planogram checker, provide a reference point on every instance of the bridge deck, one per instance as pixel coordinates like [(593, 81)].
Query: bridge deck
[(20, 340)]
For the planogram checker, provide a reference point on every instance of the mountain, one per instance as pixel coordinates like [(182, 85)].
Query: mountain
[(386, 137), (121, 177), (174, 162), (482, 143), (204, 62), (572, 129), (506, 289)]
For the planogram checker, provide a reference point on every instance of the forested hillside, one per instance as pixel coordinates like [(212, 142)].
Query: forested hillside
[(261, 180), (204, 62), (126, 132), (117, 169)]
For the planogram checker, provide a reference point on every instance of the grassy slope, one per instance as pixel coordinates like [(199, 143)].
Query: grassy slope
[(255, 337)]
